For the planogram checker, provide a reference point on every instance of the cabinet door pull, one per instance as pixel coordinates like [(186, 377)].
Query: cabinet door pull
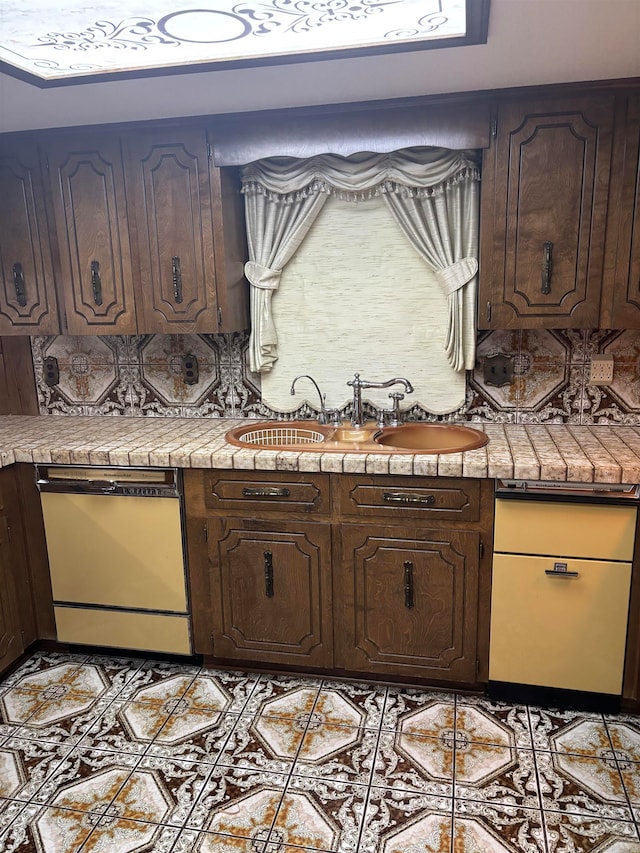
[(408, 584), (547, 266), (403, 498), (96, 283), (265, 492), (268, 574), (18, 283), (176, 274)]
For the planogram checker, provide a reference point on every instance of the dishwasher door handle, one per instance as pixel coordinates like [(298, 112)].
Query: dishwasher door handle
[(83, 487), (561, 573)]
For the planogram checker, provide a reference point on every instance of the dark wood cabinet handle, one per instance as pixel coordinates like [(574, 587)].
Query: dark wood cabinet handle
[(96, 283), (403, 498), (408, 584), (18, 283), (176, 274), (268, 574), (547, 266)]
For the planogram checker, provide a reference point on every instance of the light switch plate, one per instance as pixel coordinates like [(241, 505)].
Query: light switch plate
[(601, 370)]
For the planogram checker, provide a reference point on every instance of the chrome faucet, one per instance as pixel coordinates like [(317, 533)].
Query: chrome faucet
[(357, 417), (325, 415)]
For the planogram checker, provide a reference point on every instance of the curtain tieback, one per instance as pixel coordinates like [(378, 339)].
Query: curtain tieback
[(262, 277), (457, 275)]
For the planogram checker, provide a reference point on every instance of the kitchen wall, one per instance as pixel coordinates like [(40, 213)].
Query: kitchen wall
[(142, 376)]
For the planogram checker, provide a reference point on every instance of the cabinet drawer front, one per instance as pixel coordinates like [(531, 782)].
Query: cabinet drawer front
[(267, 492), (566, 632), (569, 530), (405, 498)]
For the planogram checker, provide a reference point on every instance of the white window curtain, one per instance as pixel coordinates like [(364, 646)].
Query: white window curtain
[(432, 193)]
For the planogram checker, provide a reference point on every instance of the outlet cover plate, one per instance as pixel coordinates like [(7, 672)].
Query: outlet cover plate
[(601, 370)]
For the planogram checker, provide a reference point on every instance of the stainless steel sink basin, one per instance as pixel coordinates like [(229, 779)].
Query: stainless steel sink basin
[(308, 435), (431, 438)]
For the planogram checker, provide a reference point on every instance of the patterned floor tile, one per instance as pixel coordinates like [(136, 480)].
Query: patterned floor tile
[(238, 801), (496, 775), (26, 764), (113, 834), (263, 743), (41, 661), (9, 810), (320, 814), (194, 736), (48, 830), (126, 726), (432, 711), (283, 696), (190, 841), (398, 821), (548, 727), (367, 699), (483, 721), (581, 785), (86, 780), (497, 828), (625, 737), (337, 752), (571, 833), (179, 783), (410, 763)]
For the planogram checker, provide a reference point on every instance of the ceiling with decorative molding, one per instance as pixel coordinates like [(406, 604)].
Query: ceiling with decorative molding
[(53, 41)]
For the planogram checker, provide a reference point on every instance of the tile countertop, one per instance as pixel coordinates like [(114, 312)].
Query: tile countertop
[(546, 452)]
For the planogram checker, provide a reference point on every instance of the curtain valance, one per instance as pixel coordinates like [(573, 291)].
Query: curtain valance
[(407, 172)]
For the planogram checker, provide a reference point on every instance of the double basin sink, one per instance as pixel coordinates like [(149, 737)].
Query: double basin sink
[(405, 438)]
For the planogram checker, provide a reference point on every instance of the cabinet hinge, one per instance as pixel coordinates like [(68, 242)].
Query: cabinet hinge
[(494, 126), (205, 530), (9, 532), (212, 642), (209, 151), (481, 549), (477, 666), (488, 312), (219, 316)]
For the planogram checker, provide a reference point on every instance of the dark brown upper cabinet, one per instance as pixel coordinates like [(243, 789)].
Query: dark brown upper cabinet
[(545, 188), (622, 305), (190, 233), (92, 226), (27, 286), (150, 234)]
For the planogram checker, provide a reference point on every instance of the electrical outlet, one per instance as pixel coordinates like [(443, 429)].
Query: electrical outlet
[(601, 370)]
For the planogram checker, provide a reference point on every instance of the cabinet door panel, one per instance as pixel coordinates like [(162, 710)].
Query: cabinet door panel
[(271, 592), (92, 226), (626, 290), (545, 190), (27, 285), (169, 179), (408, 601)]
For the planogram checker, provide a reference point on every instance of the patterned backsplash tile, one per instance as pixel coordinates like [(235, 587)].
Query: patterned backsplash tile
[(144, 375)]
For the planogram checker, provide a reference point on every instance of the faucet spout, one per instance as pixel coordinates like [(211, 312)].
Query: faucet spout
[(323, 417), (357, 415)]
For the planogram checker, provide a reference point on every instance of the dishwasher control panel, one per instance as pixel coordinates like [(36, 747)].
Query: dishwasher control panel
[(130, 482)]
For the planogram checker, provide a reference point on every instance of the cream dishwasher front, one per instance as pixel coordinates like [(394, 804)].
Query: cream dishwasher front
[(116, 556)]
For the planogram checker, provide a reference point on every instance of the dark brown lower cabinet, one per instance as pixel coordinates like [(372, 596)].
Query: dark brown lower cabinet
[(407, 602), (271, 592), (11, 643), (350, 574), (17, 617)]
